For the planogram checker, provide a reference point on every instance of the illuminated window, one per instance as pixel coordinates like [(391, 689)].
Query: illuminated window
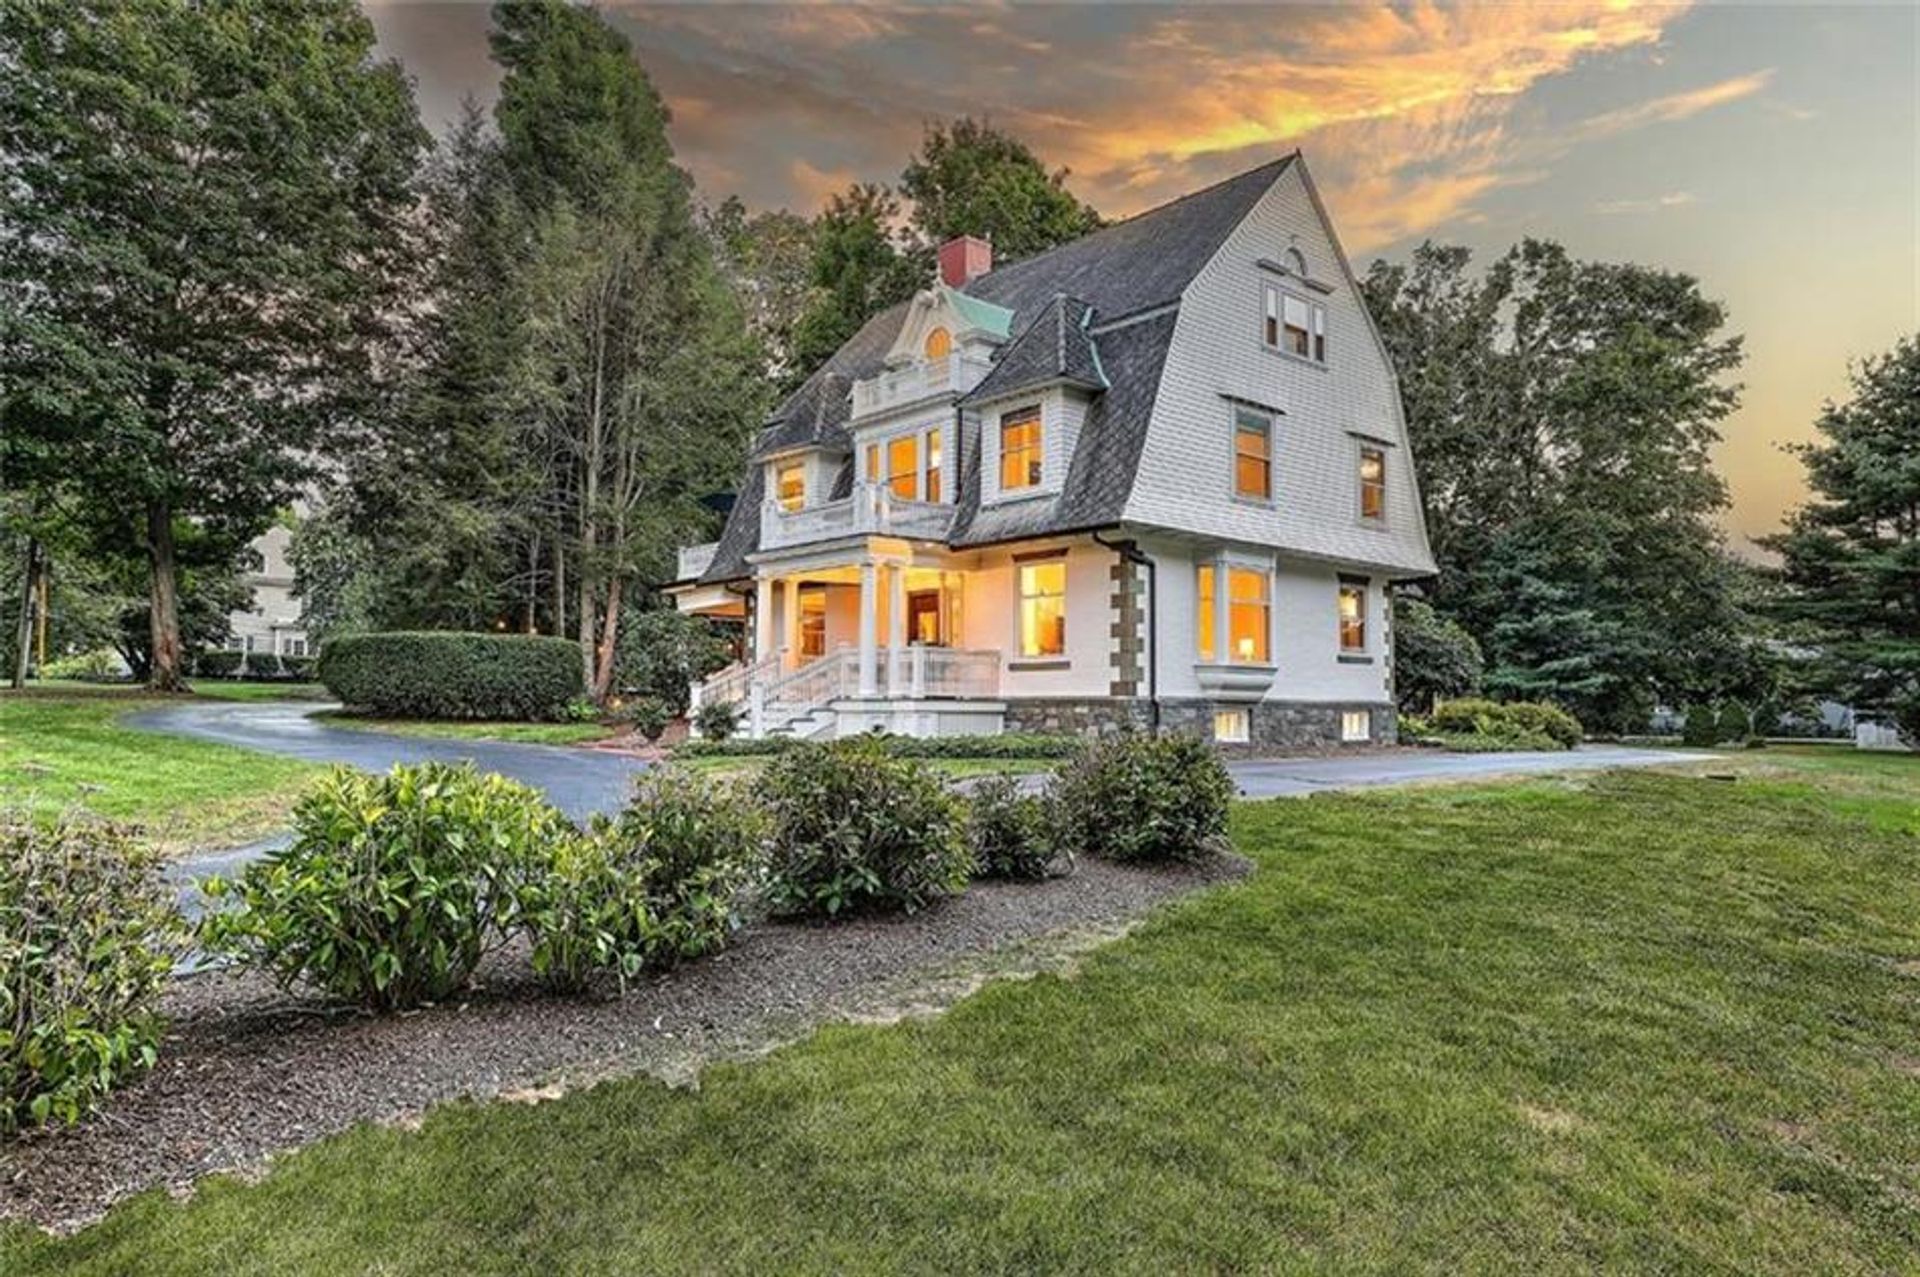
[(903, 466), (1231, 726), (790, 485), (813, 624), (1020, 450), (933, 465), (1356, 725), (1249, 616), (1353, 617), (939, 344), (1373, 483), (1295, 325), (1252, 454), (1043, 608)]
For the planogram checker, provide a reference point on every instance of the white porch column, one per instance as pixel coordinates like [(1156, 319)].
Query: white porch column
[(869, 640), (762, 617), (790, 620), (896, 626)]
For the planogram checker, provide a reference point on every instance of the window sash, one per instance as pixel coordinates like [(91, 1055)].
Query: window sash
[(1249, 634), (1294, 324), (1373, 483), (790, 485), (1020, 450), (1353, 618), (1043, 608), (1252, 455), (934, 455), (903, 466)]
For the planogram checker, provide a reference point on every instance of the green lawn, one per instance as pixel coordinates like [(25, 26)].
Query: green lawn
[(1635, 1021), (62, 746), (530, 733)]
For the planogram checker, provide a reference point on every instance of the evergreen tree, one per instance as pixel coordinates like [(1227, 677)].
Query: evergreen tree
[(202, 236), (1851, 554)]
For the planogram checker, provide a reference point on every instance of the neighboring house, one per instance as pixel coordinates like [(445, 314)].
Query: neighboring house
[(273, 624), (1158, 474)]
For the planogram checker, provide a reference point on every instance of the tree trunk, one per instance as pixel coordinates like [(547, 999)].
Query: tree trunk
[(167, 672), (609, 631), (29, 591)]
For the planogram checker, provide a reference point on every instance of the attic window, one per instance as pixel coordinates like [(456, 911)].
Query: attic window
[(939, 344), (1295, 325)]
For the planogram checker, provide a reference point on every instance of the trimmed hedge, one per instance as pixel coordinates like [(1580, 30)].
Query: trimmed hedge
[(1518, 724), (1009, 745), (433, 674)]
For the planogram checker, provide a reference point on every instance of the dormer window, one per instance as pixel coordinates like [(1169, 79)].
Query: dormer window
[(1020, 449), (790, 485), (1373, 483), (939, 344), (1295, 325)]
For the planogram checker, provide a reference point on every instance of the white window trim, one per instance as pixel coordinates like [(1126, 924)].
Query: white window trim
[(1234, 409), (998, 426), (1222, 625), (1361, 447), (1348, 719), (1366, 649), (1241, 734), (1016, 657), (1273, 305), (920, 433)]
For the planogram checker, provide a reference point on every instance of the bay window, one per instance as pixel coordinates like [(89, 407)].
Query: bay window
[(1248, 623)]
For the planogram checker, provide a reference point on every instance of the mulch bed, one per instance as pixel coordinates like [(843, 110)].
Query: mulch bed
[(247, 1071)]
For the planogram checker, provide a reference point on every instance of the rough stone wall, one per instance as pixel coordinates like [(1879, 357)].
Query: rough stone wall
[(1127, 613), (1272, 725)]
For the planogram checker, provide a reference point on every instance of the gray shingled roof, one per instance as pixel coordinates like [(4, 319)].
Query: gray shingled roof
[(1054, 348), (1116, 272)]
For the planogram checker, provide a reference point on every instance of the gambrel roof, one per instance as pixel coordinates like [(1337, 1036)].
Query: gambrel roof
[(1086, 315)]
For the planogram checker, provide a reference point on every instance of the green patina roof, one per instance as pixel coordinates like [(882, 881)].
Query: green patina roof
[(984, 315)]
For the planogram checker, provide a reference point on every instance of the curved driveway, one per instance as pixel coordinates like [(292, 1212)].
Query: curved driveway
[(577, 781)]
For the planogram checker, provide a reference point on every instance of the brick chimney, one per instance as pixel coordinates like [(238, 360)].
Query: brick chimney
[(964, 260)]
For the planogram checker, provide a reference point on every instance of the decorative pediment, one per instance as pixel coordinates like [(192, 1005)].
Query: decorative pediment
[(941, 320)]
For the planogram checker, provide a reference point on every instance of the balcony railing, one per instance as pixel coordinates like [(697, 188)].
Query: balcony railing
[(955, 374), (871, 510), (695, 559)]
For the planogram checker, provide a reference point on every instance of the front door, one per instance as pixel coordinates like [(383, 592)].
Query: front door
[(924, 619)]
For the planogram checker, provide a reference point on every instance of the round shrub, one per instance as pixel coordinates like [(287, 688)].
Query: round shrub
[(850, 828), (656, 885), (393, 887), (1701, 728), (1732, 725), (1144, 798), (717, 720), (1433, 657), (88, 934), (1507, 724), (1010, 832), (650, 717), (429, 674)]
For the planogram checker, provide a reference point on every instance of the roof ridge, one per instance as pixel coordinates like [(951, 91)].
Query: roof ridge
[(1177, 200)]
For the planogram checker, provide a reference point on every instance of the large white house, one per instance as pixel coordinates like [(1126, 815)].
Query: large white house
[(1158, 474)]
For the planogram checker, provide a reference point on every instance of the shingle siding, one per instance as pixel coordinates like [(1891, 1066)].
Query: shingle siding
[(1185, 476)]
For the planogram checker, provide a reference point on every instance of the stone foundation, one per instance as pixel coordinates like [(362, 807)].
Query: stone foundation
[(1271, 725)]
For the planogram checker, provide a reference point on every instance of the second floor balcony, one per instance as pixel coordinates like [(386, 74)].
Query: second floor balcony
[(871, 510)]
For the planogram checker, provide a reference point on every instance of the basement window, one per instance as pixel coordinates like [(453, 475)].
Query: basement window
[(1356, 726), (1231, 726)]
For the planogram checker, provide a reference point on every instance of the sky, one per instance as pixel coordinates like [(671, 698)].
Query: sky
[(1768, 149)]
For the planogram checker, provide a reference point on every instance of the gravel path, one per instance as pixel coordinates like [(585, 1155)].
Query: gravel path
[(247, 1071)]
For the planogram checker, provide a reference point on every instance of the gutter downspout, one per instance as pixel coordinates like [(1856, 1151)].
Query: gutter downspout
[(1130, 551)]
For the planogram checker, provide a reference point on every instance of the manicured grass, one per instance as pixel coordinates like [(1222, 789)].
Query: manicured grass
[(221, 690), (529, 733), (1621, 1021), (61, 748)]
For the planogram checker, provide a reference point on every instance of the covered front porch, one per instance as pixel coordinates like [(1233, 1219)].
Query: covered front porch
[(859, 638)]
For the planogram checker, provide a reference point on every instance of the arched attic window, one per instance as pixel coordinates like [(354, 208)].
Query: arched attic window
[(939, 344)]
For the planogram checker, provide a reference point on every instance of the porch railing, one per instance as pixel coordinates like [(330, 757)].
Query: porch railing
[(731, 685), (870, 509), (772, 698)]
